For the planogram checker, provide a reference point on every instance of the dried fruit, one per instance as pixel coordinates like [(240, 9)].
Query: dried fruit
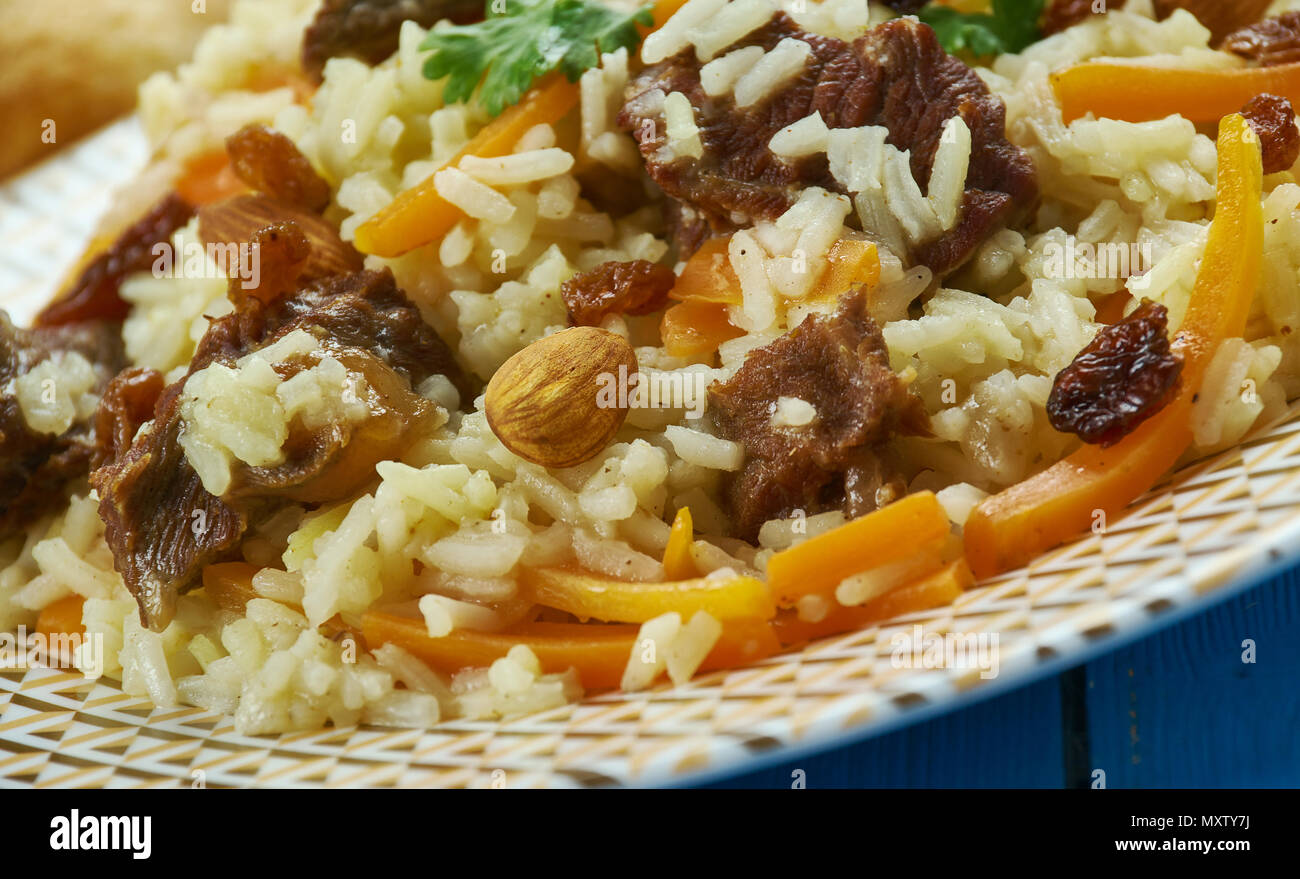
[(1273, 119), (635, 287), (1123, 377), (270, 162), (556, 403), (94, 295)]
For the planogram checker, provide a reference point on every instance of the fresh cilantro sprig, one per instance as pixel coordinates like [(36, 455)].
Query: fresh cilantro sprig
[(1010, 27), (522, 40)]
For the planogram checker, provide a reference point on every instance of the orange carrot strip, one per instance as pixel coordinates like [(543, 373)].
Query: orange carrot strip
[(62, 617), (691, 329), (936, 590), (850, 263), (1012, 527), (599, 653), (208, 178), (708, 276), (678, 563), (603, 598), (230, 584), (420, 215), (1111, 308), (1136, 92), (890, 534)]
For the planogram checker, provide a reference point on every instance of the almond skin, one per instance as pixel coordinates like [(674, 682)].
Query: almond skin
[(544, 402)]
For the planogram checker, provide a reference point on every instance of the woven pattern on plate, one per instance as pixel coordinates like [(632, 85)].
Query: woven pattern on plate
[(1205, 530)]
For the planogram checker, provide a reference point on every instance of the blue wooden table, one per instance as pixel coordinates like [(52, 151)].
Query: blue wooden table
[(1179, 709)]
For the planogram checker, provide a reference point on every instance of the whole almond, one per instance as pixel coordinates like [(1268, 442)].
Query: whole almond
[(546, 404)]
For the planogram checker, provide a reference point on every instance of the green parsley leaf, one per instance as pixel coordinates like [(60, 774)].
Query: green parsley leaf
[(1011, 27), (503, 55)]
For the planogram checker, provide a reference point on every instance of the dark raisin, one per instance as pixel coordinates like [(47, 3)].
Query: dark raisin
[(636, 287), (94, 295), (1123, 377), (271, 163), (1273, 119)]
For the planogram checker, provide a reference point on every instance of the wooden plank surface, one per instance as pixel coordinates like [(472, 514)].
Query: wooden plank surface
[(1178, 709), (1013, 740), (1181, 709)]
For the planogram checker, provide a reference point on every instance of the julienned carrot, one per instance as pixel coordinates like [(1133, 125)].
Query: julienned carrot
[(62, 617), (936, 590), (850, 263), (1111, 308), (708, 276), (678, 563), (890, 534), (1135, 92), (603, 598), (1011, 528), (692, 328), (599, 653), (230, 584), (208, 177), (420, 215)]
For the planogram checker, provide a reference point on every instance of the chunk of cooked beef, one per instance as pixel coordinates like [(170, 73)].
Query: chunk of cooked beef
[(1268, 43), (369, 29), (895, 75), (634, 287), (270, 162), (839, 365), (1273, 119), (94, 293), (36, 466), (164, 526), (1123, 377), (126, 404)]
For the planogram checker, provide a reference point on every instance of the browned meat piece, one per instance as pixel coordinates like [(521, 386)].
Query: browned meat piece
[(94, 295), (161, 523), (1273, 119), (1062, 14), (896, 75), (636, 287), (840, 366), (269, 162), (368, 29), (237, 220), (1268, 43), (1222, 17), (126, 404), (1123, 377), (36, 467)]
